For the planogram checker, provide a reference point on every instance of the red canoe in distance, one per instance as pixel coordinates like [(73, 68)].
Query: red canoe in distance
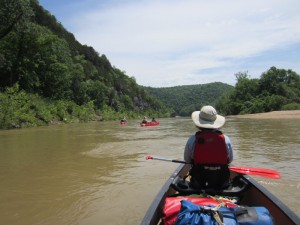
[(150, 124)]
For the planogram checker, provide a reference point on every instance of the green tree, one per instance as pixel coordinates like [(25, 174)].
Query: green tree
[(275, 89), (55, 67), (246, 89), (97, 92), (14, 14), (241, 75)]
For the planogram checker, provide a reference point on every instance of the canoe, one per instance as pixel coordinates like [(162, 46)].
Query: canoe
[(248, 191), (150, 124)]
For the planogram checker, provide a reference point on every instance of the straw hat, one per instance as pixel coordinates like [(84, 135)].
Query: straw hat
[(208, 118)]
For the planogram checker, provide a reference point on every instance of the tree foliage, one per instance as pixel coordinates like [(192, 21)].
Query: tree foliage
[(46, 75), (40, 57), (277, 89), (14, 15)]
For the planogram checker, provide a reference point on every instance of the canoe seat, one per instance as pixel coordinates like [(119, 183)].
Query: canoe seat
[(236, 187)]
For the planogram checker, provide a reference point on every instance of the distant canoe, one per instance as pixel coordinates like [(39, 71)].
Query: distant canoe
[(149, 124), (123, 122)]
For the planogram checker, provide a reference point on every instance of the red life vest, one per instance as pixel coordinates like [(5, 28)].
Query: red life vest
[(210, 148)]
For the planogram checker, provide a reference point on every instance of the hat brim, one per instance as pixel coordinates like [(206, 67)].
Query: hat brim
[(218, 123)]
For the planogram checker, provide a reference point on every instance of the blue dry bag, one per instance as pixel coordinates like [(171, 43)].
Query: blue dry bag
[(193, 214)]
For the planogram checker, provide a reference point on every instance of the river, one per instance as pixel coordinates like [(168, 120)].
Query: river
[(96, 173)]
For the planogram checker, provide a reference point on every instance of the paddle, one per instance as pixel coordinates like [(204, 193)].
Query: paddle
[(239, 169), (165, 159), (256, 171)]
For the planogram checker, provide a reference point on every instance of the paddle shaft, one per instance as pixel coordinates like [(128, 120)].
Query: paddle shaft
[(174, 160), (239, 169), (165, 159)]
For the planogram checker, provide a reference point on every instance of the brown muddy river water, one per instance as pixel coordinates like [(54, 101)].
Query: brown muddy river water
[(96, 173)]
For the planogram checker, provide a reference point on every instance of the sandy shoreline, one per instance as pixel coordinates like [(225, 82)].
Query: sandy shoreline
[(289, 114)]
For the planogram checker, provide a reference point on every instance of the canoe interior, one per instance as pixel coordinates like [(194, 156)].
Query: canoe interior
[(255, 195)]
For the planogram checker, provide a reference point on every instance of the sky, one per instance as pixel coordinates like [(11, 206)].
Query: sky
[(166, 43)]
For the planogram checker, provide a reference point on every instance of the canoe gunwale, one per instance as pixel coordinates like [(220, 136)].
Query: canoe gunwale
[(154, 210), (276, 204)]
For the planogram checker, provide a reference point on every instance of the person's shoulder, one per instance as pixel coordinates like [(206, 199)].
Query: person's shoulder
[(192, 137), (226, 137)]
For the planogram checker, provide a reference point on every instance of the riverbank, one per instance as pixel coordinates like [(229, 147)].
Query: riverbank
[(289, 114)]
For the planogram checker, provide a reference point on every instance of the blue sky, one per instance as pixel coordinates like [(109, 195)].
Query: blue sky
[(164, 43)]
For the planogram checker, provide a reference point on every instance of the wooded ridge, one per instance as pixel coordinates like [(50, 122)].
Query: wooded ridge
[(185, 99), (47, 76)]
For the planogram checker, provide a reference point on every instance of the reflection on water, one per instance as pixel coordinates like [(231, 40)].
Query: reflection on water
[(96, 173)]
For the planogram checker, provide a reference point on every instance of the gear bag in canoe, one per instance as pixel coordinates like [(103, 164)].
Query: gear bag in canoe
[(193, 214)]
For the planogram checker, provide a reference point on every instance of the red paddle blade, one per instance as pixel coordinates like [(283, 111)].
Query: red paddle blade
[(149, 157), (256, 171)]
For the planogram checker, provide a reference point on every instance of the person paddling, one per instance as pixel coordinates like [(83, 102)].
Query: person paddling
[(208, 150), (145, 120)]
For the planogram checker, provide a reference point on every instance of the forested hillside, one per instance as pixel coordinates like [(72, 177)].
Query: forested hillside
[(276, 89), (188, 98), (46, 75)]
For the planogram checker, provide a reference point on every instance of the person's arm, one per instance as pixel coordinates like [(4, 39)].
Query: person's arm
[(229, 149), (189, 149)]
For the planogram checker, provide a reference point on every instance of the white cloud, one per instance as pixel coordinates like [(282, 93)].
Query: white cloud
[(167, 43)]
